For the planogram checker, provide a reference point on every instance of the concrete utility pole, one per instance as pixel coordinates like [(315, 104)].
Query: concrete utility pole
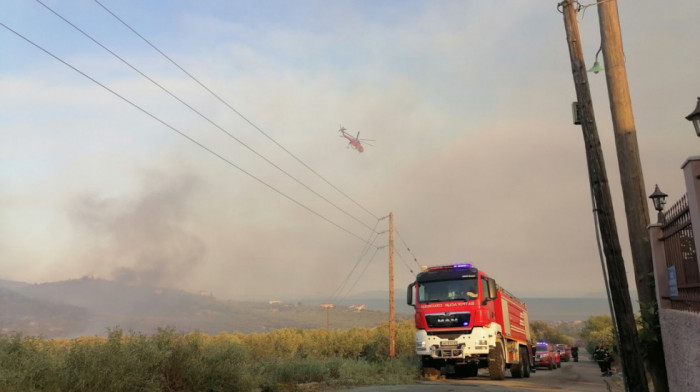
[(633, 189), (630, 355), (392, 322)]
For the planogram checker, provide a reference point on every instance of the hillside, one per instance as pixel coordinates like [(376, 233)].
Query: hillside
[(90, 306), (37, 317)]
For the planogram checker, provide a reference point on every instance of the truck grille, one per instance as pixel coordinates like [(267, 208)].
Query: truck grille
[(448, 353), (447, 320)]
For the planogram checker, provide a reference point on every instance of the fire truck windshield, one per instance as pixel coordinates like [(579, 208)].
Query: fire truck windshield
[(448, 290)]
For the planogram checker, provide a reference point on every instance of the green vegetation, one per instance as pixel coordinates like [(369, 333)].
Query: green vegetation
[(546, 332), (282, 360), (277, 361), (598, 329)]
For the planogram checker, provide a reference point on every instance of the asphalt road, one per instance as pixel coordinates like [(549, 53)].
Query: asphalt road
[(582, 376)]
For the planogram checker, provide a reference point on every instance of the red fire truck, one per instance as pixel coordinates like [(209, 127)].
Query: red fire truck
[(465, 321)]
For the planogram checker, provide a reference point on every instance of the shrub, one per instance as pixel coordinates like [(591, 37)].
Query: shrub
[(27, 364), (598, 329), (169, 361)]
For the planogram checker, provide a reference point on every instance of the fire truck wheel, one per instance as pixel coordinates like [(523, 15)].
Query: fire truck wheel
[(497, 362), (524, 358), (516, 370)]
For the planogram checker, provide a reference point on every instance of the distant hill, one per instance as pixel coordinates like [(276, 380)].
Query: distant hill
[(543, 309), (37, 317), (566, 309), (9, 284), (90, 306)]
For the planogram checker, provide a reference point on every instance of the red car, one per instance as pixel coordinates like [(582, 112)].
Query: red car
[(546, 356), (564, 352)]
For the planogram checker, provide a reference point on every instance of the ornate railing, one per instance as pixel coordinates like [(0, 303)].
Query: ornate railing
[(681, 257)]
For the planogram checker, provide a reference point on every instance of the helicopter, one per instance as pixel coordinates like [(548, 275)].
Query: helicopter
[(354, 142)]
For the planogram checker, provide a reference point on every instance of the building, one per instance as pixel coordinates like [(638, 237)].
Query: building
[(674, 240)]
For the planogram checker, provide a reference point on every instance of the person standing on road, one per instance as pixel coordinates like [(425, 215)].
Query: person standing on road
[(603, 357), (574, 353)]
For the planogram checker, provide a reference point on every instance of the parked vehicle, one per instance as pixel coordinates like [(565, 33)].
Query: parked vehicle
[(465, 321), (546, 356), (564, 352)]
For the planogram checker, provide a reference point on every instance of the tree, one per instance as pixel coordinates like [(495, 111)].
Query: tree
[(544, 332), (598, 329)]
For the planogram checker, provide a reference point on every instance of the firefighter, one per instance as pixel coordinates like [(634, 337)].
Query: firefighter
[(574, 353), (604, 359)]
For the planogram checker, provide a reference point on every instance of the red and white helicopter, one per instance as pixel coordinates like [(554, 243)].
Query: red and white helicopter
[(354, 142)]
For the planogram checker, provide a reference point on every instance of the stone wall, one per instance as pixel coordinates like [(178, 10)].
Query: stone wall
[(681, 335)]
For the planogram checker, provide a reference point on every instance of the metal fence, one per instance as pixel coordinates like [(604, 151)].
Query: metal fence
[(681, 257)]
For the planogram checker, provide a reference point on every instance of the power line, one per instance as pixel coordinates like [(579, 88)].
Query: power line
[(363, 272), (408, 249), (233, 109), (368, 244), (199, 113), (404, 261), (368, 262), (179, 132)]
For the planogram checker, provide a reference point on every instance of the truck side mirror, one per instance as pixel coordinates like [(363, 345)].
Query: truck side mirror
[(492, 288), (409, 294)]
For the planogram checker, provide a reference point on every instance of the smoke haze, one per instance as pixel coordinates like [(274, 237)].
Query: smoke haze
[(142, 239), (469, 103)]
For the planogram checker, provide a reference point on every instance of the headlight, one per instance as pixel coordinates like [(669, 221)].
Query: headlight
[(420, 345)]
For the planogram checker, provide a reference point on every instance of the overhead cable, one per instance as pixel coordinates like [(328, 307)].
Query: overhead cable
[(199, 113), (172, 128), (233, 109), (407, 248), (368, 243), (404, 261), (361, 273)]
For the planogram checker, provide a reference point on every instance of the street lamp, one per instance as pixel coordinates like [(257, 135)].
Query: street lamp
[(694, 117), (659, 200)]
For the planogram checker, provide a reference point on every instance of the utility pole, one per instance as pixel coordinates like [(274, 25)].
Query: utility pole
[(392, 322), (630, 355), (633, 188), (328, 307)]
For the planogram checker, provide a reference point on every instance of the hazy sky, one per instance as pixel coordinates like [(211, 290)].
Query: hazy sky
[(469, 104)]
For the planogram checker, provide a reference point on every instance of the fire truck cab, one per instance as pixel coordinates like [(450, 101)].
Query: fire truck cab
[(465, 321)]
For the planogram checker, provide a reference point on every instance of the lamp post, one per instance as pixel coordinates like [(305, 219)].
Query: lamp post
[(694, 117), (659, 200)]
